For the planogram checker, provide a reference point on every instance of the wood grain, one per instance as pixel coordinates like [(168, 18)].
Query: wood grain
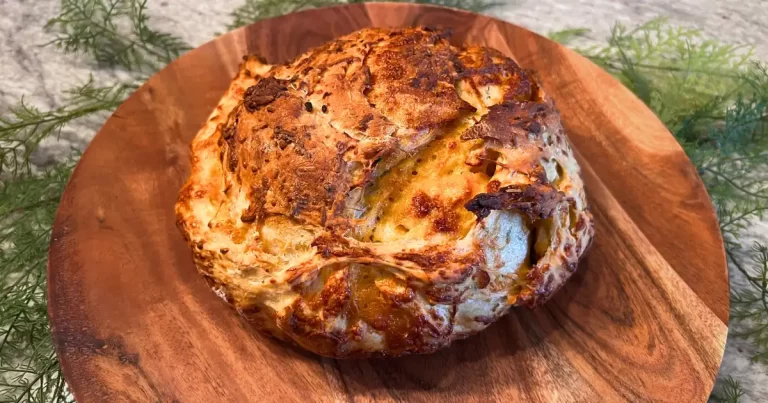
[(644, 319)]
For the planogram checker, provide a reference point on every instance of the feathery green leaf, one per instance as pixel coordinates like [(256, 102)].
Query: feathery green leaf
[(30, 370), (25, 126), (729, 392), (254, 10), (115, 33), (567, 36)]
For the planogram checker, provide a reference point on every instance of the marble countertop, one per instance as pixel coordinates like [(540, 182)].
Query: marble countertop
[(41, 74)]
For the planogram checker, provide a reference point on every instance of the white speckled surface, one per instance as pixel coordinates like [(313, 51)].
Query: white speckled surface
[(40, 74)]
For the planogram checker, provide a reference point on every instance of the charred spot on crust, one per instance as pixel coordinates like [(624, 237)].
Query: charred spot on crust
[(415, 80), (490, 67), (229, 131), (538, 201), (284, 137), (335, 293), (509, 123), (444, 262), (422, 205), (368, 81), (248, 217), (447, 221), (441, 294), (232, 154), (482, 278), (255, 209), (363, 126), (301, 321), (426, 259), (263, 93), (331, 244)]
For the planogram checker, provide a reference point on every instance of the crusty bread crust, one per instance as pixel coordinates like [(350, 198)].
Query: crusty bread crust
[(384, 194)]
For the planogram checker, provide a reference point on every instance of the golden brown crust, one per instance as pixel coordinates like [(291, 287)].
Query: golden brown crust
[(384, 194)]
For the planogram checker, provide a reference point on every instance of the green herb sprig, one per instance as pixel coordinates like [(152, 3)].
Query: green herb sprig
[(254, 10), (28, 364), (25, 126), (116, 33), (750, 306), (729, 392)]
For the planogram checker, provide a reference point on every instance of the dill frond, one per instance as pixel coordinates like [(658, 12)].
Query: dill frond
[(29, 370), (470, 5), (254, 10), (729, 392), (749, 307), (566, 36), (25, 126), (115, 33), (674, 70)]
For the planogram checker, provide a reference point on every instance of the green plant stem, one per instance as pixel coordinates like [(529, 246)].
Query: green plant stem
[(735, 185)]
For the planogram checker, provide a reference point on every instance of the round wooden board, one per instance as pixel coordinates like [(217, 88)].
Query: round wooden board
[(644, 319)]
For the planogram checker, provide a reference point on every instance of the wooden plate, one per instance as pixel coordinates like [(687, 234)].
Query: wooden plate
[(644, 319)]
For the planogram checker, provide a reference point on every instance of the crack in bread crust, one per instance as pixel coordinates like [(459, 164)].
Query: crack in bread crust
[(386, 193)]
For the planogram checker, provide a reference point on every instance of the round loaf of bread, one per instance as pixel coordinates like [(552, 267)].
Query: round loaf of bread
[(384, 194)]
